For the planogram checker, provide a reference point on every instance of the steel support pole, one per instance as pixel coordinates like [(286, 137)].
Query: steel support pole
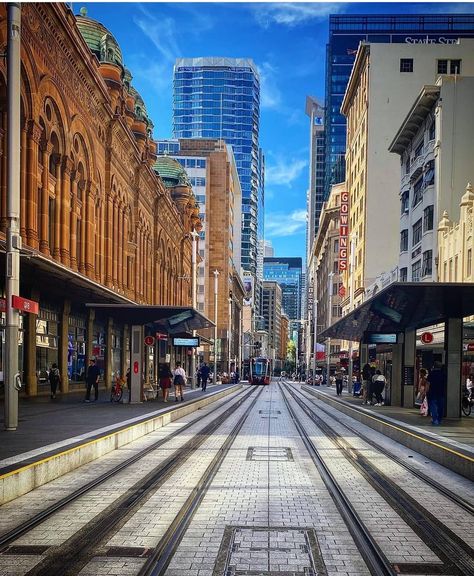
[(229, 359), (12, 275), (216, 291), (328, 344), (315, 333), (195, 239)]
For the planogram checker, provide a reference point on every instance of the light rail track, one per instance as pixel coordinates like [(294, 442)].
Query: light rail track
[(456, 555), (9, 537)]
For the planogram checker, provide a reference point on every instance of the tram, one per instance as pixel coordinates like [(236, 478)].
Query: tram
[(260, 370)]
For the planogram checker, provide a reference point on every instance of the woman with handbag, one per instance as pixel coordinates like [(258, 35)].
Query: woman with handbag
[(179, 381), (165, 376)]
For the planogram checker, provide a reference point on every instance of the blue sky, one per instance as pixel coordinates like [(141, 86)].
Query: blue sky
[(287, 41)]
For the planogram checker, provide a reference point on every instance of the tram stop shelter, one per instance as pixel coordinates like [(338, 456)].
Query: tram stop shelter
[(394, 314), (172, 320)]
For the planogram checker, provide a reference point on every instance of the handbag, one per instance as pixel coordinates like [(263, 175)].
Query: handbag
[(424, 407)]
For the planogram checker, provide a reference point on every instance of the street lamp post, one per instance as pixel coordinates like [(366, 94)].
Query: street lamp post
[(315, 335), (328, 345), (216, 290), (351, 306), (12, 273), (230, 335), (195, 239)]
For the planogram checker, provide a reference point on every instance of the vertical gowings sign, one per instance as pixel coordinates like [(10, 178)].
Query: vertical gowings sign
[(343, 231)]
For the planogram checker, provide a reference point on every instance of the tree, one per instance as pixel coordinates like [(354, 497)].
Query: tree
[(290, 355)]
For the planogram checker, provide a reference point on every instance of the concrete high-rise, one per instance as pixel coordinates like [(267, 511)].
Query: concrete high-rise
[(220, 98)]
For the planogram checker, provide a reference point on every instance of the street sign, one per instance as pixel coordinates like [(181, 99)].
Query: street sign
[(426, 337), (189, 342), (25, 305), (160, 336), (342, 291), (149, 340)]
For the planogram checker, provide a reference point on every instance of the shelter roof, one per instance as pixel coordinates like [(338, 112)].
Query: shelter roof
[(171, 319), (403, 306)]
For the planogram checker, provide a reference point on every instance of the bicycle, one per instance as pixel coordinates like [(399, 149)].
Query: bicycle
[(116, 392), (467, 403)]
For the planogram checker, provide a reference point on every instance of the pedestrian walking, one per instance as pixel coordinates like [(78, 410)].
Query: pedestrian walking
[(165, 376), (339, 380), (436, 393), (366, 378), (205, 371), (179, 381), (198, 377), (54, 378), (378, 381), (92, 379)]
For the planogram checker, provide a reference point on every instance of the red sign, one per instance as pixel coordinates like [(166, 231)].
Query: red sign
[(135, 367), (149, 340), (160, 336), (470, 347), (25, 305), (342, 291), (426, 337), (343, 231)]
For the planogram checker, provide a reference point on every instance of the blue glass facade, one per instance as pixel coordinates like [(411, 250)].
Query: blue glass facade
[(288, 273), (220, 98), (345, 33)]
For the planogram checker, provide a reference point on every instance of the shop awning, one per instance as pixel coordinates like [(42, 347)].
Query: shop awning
[(405, 306), (169, 319)]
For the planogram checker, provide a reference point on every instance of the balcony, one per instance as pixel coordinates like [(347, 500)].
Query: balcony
[(417, 166)]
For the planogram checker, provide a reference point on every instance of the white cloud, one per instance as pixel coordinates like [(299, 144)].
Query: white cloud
[(284, 171), (292, 14), (278, 224), (270, 93), (161, 31)]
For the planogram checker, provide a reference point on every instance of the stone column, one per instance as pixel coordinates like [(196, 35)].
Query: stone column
[(83, 224), (57, 211), (408, 375), (108, 242), (33, 209), (126, 285), (115, 244), (90, 233), (453, 328), (67, 167), (120, 248), (73, 227), (23, 169), (44, 213), (29, 376), (63, 345), (89, 334), (4, 160), (396, 384)]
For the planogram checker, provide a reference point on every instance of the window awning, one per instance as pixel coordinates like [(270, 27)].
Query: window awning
[(405, 306), (170, 319)]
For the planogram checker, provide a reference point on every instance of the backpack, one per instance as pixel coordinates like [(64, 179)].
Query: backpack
[(178, 380)]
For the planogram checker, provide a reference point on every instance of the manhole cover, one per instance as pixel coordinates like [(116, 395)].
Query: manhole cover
[(277, 551), (268, 412), (264, 454)]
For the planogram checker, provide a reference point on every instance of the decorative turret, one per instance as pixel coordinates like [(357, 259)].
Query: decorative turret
[(176, 180), (468, 196), (445, 223)]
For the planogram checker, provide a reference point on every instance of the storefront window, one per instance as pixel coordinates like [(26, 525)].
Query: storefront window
[(76, 348), (98, 346), (47, 330)]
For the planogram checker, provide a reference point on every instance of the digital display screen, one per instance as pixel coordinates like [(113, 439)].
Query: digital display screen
[(191, 342), (377, 338)]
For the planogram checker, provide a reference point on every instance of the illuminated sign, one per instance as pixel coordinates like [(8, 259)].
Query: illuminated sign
[(343, 230), (378, 338), (190, 342)]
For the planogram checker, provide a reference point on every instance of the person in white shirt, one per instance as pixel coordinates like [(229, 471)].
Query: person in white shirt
[(179, 381), (379, 382)]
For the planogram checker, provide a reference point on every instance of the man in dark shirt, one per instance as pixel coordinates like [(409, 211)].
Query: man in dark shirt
[(205, 371), (436, 393), (92, 379)]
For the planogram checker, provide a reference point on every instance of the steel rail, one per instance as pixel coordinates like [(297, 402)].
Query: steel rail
[(450, 548), (373, 556), (461, 502), (159, 560), (8, 537)]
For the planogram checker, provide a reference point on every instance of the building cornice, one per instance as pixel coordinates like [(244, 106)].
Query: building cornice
[(354, 79), (415, 117)]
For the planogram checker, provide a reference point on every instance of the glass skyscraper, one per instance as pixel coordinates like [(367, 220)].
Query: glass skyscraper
[(220, 98), (345, 33), (288, 273)]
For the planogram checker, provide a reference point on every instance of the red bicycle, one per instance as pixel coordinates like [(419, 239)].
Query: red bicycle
[(116, 392)]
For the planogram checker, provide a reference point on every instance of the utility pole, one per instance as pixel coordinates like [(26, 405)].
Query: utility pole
[(315, 335), (12, 273), (328, 344), (351, 307)]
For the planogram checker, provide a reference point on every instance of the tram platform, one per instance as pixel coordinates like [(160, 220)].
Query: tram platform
[(55, 436), (450, 444)]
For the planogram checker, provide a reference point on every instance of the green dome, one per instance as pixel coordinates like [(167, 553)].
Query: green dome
[(100, 41), (171, 172)]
